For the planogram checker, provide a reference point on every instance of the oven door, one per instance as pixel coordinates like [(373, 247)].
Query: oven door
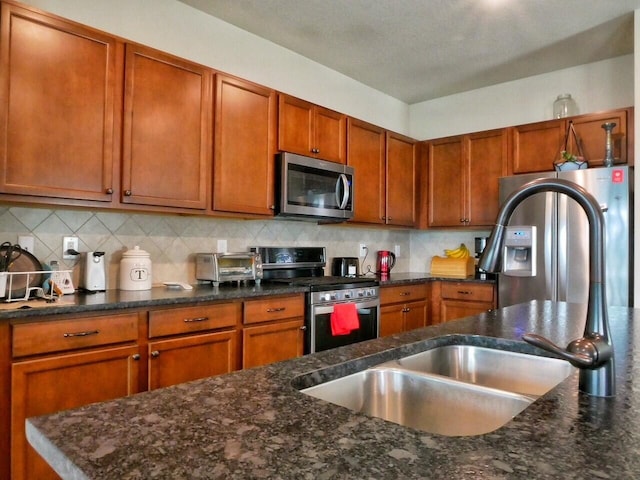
[(319, 335)]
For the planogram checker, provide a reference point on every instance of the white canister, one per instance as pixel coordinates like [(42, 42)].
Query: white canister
[(135, 270)]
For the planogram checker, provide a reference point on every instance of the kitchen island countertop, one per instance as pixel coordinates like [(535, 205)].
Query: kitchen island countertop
[(255, 424)]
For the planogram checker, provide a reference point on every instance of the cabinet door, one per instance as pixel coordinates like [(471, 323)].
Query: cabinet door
[(243, 172), (391, 320), (366, 154), (486, 154), (295, 125), (401, 181), (167, 130), (189, 358), (263, 344), (59, 86), (330, 129), (535, 146), (592, 136), (446, 183), (47, 385), (415, 315)]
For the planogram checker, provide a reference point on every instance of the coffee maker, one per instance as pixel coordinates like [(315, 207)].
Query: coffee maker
[(386, 261), (480, 244)]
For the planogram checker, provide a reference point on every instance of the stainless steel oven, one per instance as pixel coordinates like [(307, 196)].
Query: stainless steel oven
[(304, 266), (321, 306)]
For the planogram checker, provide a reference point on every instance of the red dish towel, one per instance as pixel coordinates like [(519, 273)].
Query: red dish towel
[(344, 319)]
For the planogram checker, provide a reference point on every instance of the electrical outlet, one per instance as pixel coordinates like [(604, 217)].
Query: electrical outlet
[(26, 242), (69, 243), (222, 246), (363, 250), (396, 250)]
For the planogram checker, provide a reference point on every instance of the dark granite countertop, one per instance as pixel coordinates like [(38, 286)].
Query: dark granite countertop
[(254, 424), (164, 296)]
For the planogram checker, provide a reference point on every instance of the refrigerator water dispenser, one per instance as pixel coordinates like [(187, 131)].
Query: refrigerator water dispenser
[(520, 251)]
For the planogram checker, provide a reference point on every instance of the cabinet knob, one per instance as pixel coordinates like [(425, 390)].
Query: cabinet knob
[(272, 207), (303, 327), (155, 354), (127, 193), (109, 191), (136, 356)]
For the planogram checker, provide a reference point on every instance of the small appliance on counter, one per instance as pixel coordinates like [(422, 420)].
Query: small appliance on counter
[(480, 243), (135, 270), (345, 267), (229, 267), (386, 261), (93, 276)]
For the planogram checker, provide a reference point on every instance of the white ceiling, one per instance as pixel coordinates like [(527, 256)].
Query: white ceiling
[(417, 50)]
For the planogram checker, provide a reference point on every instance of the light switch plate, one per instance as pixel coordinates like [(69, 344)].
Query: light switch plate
[(69, 243)]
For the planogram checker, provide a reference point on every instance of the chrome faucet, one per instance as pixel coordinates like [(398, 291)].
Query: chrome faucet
[(593, 353)]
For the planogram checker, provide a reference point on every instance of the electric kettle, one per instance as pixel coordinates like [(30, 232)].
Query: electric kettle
[(386, 261)]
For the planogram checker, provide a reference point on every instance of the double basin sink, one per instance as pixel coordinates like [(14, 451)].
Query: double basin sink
[(453, 390)]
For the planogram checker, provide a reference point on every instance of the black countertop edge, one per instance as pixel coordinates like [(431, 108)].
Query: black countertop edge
[(165, 296)]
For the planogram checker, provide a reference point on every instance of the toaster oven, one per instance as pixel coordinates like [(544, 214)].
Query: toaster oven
[(229, 267)]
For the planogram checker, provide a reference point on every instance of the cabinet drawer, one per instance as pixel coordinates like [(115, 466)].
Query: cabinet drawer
[(277, 308), (70, 334), (402, 293), (476, 292), (193, 319)]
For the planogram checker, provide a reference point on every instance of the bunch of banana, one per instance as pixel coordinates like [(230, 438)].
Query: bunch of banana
[(461, 252)]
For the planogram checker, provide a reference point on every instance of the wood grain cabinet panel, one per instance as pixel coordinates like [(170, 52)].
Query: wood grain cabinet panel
[(245, 134), (59, 88), (311, 130), (366, 153), (47, 385), (462, 299), (536, 145), (403, 308), (592, 137), (401, 181), (463, 178), (167, 130)]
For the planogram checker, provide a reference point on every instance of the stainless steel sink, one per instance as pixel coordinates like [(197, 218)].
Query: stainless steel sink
[(451, 390), (424, 402), (514, 372)]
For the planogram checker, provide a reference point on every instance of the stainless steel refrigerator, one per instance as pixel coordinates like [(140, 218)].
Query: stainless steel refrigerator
[(560, 269)]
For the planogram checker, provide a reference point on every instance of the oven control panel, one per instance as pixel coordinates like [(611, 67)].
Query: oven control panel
[(346, 295)]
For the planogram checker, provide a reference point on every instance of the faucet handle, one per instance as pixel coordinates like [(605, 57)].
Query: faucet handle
[(581, 353)]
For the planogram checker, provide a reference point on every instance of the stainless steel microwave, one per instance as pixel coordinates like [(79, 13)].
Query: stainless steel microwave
[(308, 188)]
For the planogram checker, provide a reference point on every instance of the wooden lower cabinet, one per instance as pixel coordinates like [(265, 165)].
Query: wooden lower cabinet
[(180, 360), (462, 299), (273, 330), (263, 344), (403, 308), (46, 385)]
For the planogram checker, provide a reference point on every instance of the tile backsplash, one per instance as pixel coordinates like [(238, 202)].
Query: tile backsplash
[(172, 240)]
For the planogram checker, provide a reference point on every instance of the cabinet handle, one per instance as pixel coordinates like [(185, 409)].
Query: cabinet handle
[(127, 193), (81, 334), (303, 327), (136, 356), (406, 310), (155, 354), (278, 309), (196, 319), (465, 292), (404, 294), (109, 191)]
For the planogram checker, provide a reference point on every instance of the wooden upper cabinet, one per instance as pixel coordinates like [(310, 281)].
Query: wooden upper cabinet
[(245, 141), (446, 183), (536, 145), (401, 180), (60, 85), (592, 136), (366, 153), (463, 178), (167, 130), (487, 161), (311, 130)]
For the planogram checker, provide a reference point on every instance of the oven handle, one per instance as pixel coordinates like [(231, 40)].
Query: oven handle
[(324, 309)]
